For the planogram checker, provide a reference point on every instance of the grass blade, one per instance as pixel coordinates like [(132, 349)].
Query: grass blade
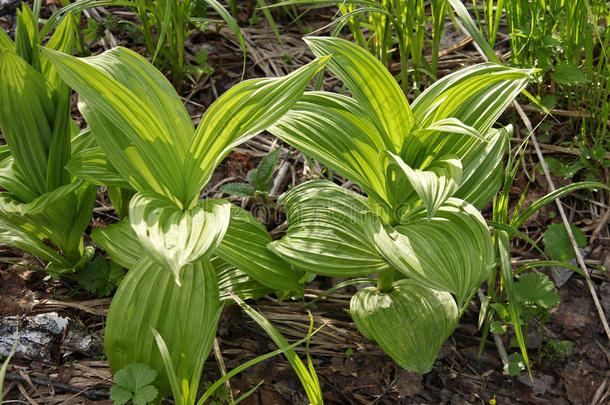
[(310, 382)]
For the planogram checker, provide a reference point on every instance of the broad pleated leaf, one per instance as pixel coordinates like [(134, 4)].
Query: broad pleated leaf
[(174, 238), (335, 130), (410, 323), (371, 85), (450, 126), (325, 232), (244, 245), (6, 42), (120, 242), (92, 165), (61, 216), (135, 115), (27, 112), (27, 37), (476, 96), (13, 235), (482, 174), (450, 252), (11, 179), (433, 185), (186, 316), (239, 283), (63, 40), (243, 111)]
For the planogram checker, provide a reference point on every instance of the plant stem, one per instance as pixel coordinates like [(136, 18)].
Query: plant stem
[(385, 280)]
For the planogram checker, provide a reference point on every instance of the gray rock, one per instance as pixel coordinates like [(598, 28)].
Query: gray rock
[(46, 337)]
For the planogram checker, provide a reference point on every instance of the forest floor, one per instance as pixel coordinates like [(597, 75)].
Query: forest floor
[(66, 365)]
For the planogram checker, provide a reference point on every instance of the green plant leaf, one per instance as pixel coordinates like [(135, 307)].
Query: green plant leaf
[(537, 289), (242, 112), (27, 112), (568, 73), (410, 323), (337, 131), (482, 172), (12, 179), (174, 238), (6, 42), (27, 37), (515, 365), (433, 185), (325, 232), (512, 312), (519, 219), (238, 189), (451, 251), (186, 316), (120, 242), (498, 328), (264, 171), (245, 246), (120, 395), (135, 115), (371, 85), (308, 377), (233, 279), (62, 40), (14, 235), (61, 216), (92, 165), (557, 242), (133, 382), (100, 277)]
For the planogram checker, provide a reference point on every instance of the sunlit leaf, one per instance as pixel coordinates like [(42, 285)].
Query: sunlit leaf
[(325, 232), (174, 238)]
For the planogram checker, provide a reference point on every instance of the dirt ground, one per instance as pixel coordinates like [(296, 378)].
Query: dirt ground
[(352, 370)]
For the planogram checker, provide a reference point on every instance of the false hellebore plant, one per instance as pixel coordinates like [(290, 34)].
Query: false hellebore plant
[(42, 201), (176, 246), (427, 169)]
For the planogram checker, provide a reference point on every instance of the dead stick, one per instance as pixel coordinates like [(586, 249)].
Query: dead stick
[(91, 394), (221, 366)]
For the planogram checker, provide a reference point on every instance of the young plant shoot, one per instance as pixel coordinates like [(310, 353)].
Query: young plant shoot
[(171, 240), (42, 200), (427, 169)]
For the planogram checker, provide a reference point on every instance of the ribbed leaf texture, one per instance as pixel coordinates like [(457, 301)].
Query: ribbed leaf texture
[(325, 232), (244, 246), (410, 323), (451, 251), (174, 238), (186, 316)]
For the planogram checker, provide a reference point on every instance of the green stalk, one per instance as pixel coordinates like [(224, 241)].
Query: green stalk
[(385, 280)]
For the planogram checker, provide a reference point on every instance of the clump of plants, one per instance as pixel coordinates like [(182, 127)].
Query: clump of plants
[(426, 168), (145, 146), (44, 210)]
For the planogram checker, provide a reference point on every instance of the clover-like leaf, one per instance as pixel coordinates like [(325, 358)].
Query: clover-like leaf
[(557, 242), (133, 383), (537, 289)]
